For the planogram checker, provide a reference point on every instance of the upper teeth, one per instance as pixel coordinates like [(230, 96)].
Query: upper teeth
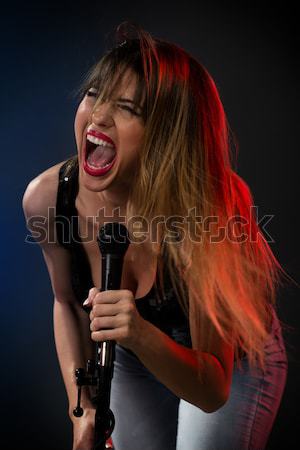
[(98, 141)]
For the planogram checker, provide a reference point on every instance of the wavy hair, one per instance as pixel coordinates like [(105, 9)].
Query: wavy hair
[(186, 173)]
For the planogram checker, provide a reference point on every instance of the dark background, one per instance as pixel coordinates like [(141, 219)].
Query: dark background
[(46, 47)]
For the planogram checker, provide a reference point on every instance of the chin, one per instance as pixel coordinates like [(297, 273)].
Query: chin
[(98, 184), (93, 184)]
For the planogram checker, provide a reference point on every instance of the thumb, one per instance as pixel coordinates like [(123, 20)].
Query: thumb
[(92, 292)]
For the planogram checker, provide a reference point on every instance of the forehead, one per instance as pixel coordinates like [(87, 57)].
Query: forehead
[(125, 84)]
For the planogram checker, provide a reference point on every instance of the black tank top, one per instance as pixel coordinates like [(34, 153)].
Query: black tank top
[(164, 311)]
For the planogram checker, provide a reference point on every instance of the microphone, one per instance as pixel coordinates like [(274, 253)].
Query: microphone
[(113, 242)]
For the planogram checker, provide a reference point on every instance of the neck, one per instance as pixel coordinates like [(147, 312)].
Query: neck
[(109, 203), (113, 199)]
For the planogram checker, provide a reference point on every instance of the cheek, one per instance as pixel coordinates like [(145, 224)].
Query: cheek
[(80, 123), (134, 138), (139, 141)]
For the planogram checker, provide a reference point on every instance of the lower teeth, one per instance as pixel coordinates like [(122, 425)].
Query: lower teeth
[(101, 167)]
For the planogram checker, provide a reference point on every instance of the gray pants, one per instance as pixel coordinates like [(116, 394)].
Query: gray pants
[(150, 417)]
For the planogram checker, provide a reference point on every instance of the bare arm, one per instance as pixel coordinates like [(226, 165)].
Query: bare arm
[(198, 377), (201, 375), (71, 328), (71, 323)]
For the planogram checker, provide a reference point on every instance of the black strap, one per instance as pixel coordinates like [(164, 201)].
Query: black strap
[(66, 213)]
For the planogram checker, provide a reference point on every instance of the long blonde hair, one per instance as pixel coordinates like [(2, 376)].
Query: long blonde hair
[(186, 171)]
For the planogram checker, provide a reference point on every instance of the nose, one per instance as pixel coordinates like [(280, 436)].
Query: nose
[(102, 115)]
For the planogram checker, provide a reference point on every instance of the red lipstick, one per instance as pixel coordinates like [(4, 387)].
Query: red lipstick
[(100, 135)]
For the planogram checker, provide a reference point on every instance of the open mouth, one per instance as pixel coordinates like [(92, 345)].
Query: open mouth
[(99, 156)]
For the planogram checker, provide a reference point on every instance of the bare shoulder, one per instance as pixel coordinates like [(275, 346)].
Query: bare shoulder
[(41, 192), (39, 196)]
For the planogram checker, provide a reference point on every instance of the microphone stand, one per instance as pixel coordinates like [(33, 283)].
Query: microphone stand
[(113, 242)]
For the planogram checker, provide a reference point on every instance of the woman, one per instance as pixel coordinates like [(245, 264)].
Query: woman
[(200, 360)]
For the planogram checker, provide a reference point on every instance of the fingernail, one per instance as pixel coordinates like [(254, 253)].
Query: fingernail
[(86, 302)]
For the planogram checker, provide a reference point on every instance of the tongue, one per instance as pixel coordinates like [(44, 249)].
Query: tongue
[(101, 156)]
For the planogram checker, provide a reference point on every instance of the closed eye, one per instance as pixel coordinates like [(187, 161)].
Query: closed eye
[(127, 108), (92, 92)]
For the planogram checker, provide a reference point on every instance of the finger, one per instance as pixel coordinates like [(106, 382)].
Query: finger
[(112, 296), (125, 307), (104, 323), (104, 310), (107, 335), (92, 293)]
